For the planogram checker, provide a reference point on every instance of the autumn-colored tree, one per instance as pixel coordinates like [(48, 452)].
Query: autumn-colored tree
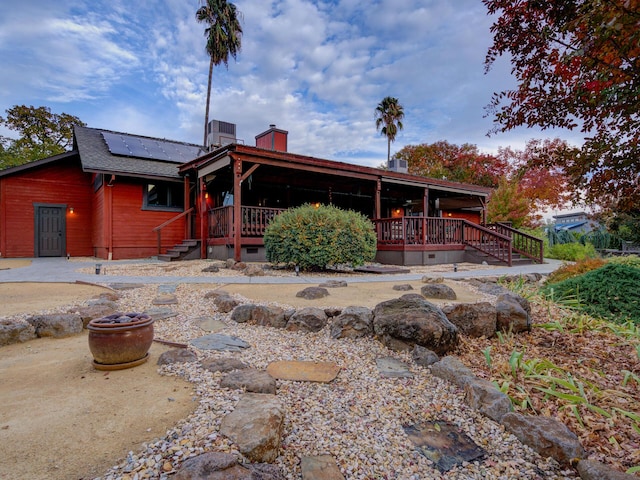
[(508, 204), (458, 163), (577, 66), (539, 179), (42, 134)]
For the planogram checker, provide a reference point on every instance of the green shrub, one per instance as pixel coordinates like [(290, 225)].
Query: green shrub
[(317, 237), (610, 292), (571, 252), (629, 260)]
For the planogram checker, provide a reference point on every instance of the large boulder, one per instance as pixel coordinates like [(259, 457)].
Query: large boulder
[(451, 369), (255, 426), (482, 395), (313, 293), (249, 379), (225, 466), (593, 470), (267, 316), (56, 325), (415, 322), (439, 291), (423, 356), (177, 355), (15, 332), (225, 303), (308, 319), (254, 270), (547, 436), (223, 364), (512, 313), (473, 319), (353, 322)]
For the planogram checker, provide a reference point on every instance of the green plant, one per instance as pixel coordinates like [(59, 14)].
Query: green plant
[(571, 252), (629, 260), (609, 292), (317, 237)]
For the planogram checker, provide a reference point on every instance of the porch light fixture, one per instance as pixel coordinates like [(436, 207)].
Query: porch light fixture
[(71, 210)]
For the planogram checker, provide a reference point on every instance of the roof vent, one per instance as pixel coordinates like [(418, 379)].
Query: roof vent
[(398, 165), (220, 133)]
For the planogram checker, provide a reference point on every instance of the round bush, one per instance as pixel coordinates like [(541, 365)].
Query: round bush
[(316, 237)]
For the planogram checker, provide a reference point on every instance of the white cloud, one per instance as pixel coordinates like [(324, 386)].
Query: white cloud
[(315, 68)]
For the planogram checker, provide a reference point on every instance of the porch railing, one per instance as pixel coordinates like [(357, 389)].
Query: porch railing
[(419, 231), (521, 242), (159, 228), (443, 231), (254, 221)]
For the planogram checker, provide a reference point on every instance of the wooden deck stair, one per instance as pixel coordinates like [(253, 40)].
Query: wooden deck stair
[(479, 257), (189, 249)]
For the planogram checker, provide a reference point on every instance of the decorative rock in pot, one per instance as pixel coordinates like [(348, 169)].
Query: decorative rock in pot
[(121, 340)]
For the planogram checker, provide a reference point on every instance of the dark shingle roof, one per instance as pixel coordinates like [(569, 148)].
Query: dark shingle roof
[(96, 157)]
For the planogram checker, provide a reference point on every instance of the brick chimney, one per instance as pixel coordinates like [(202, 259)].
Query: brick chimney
[(272, 139)]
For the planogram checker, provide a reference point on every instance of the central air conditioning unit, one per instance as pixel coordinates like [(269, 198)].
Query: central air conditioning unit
[(220, 133), (398, 165)]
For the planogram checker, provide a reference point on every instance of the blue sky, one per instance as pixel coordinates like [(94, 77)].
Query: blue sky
[(315, 68)]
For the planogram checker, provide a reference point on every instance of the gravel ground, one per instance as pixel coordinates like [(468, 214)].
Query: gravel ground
[(357, 418)]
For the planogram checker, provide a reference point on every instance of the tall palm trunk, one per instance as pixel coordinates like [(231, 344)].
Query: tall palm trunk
[(206, 111)]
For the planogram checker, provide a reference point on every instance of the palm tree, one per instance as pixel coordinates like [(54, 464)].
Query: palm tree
[(224, 38), (389, 113)]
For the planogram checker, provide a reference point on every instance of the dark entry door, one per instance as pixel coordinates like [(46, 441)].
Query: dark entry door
[(50, 231)]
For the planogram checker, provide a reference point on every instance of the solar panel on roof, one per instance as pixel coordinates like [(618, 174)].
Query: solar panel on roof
[(116, 143), (140, 147)]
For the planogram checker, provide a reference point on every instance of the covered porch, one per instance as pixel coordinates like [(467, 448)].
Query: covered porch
[(237, 190)]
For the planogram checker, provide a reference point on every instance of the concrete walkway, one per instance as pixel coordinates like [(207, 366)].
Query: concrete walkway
[(61, 270)]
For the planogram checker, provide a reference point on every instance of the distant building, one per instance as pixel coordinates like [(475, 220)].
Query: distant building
[(578, 222)]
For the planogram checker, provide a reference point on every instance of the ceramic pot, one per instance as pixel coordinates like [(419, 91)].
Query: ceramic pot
[(120, 340)]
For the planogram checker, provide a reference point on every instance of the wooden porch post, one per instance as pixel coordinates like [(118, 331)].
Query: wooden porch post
[(203, 211), (187, 220), (378, 206), (425, 214), (237, 209)]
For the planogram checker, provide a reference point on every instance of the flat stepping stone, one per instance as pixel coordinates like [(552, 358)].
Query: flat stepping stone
[(216, 341), (321, 467), (393, 368), (322, 372), (168, 288), (161, 313), (443, 443), (166, 299), (209, 324)]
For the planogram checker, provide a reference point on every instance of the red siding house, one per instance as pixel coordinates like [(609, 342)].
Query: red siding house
[(102, 199), (118, 196)]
